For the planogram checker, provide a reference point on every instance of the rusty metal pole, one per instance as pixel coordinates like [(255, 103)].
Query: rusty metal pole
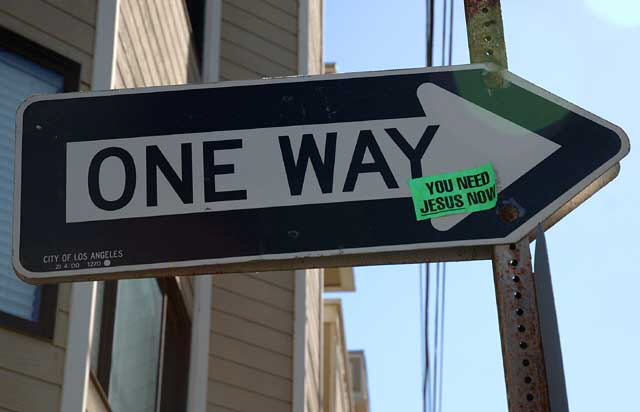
[(485, 35), (485, 32), (522, 354)]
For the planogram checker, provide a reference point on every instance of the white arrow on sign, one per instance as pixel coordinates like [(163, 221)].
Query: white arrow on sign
[(474, 136), (468, 136)]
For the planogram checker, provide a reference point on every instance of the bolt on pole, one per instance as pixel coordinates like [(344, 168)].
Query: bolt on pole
[(522, 352)]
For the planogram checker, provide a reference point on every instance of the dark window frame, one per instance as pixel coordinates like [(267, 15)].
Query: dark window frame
[(103, 368), (195, 14), (14, 43), (169, 393)]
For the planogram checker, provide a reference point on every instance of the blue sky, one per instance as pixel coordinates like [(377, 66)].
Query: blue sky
[(586, 52)]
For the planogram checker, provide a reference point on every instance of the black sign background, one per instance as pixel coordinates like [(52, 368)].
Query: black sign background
[(585, 146)]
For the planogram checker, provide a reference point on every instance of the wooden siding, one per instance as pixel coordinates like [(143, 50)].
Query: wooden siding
[(25, 393), (31, 370), (35, 363), (238, 399), (258, 39), (313, 359), (154, 44), (338, 396), (84, 10), (289, 7), (316, 59), (251, 351)]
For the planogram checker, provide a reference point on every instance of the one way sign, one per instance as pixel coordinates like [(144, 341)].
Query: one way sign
[(290, 172)]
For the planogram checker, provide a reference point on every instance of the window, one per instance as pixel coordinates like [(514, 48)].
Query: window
[(196, 12), (25, 69), (140, 353)]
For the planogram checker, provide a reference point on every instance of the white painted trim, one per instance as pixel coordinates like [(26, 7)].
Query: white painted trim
[(104, 59), (299, 340), (200, 330), (83, 295), (321, 387), (211, 52), (303, 37), (78, 351), (203, 285)]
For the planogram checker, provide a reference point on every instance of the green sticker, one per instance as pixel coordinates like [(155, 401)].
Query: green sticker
[(466, 191)]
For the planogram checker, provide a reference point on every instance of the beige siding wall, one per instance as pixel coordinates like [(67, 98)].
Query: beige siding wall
[(30, 366), (258, 39), (336, 377), (251, 346), (313, 330), (315, 61), (154, 44)]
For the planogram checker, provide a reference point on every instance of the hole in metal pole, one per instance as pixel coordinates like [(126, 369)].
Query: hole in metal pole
[(511, 246), (527, 379), (525, 362), (523, 345), (516, 278), (485, 10), (519, 312), (521, 328), (513, 262), (529, 397), (517, 295)]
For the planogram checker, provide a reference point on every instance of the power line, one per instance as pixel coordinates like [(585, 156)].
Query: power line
[(430, 9), (437, 349), (424, 348), (444, 278), (450, 32), (444, 265), (440, 302), (424, 268), (444, 29), (438, 363), (432, 373)]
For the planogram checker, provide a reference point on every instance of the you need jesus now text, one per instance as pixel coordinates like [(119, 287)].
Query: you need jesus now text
[(466, 191)]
